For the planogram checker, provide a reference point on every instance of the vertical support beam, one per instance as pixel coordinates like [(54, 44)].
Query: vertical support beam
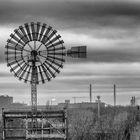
[(114, 95), (26, 127), (34, 95), (34, 90), (90, 94), (42, 126), (3, 128)]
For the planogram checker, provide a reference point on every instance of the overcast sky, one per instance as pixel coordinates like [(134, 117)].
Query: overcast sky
[(109, 28)]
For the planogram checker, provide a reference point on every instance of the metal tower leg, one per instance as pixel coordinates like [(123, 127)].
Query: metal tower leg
[(34, 92), (3, 120), (34, 97)]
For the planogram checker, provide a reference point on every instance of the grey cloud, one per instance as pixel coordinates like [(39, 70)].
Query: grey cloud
[(79, 16), (2, 57), (2, 74), (113, 56), (70, 13)]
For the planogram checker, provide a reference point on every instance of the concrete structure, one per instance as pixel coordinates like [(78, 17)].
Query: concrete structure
[(81, 105), (5, 101)]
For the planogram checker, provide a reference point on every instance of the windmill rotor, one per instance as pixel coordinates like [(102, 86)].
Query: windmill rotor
[(35, 42)]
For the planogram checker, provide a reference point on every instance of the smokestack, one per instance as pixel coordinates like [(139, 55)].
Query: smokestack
[(90, 94), (98, 97), (114, 95)]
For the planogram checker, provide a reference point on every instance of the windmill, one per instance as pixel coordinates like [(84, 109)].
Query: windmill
[(36, 53)]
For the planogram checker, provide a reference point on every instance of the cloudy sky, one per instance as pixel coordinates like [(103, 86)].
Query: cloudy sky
[(109, 28)]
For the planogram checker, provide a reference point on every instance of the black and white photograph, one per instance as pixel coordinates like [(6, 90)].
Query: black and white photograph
[(69, 70)]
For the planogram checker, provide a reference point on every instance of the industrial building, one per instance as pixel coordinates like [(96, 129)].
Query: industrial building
[(80, 105), (5, 101)]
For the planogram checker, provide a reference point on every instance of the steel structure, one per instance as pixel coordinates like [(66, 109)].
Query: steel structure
[(35, 54), (50, 125)]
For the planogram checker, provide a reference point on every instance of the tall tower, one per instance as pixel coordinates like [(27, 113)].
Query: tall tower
[(114, 95), (90, 93)]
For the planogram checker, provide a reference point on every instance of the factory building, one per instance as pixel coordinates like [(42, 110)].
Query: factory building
[(80, 105), (5, 101)]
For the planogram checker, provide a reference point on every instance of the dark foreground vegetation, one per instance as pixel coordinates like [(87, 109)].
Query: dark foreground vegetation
[(115, 123)]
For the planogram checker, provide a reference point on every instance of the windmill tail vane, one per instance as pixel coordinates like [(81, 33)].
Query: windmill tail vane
[(77, 52)]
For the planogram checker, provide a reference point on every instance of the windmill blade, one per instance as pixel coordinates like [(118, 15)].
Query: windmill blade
[(46, 35), (23, 73), (38, 29), (53, 40), (53, 57), (42, 31), (21, 36), (14, 58), (25, 37), (17, 47), (13, 43), (12, 52), (27, 27), (16, 66), (55, 44), (16, 39), (55, 69), (56, 58), (33, 31), (17, 73), (14, 62), (52, 74), (77, 52), (46, 73), (56, 53), (28, 73), (13, 48), (50, 36), (53, 61), (41, 75)]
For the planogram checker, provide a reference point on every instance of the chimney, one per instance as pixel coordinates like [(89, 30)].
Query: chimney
[(114, 95), (90, 94)]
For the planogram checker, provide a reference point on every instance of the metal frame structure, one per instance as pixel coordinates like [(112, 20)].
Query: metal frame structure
[(50, 125), (35, 53)]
